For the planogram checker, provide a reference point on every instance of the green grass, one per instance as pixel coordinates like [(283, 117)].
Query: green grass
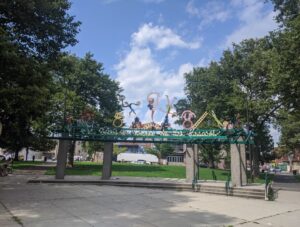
[(122, 169), (134, 170), (25, 165)]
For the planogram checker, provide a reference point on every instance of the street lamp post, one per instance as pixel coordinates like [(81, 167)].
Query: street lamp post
[(249, 131)]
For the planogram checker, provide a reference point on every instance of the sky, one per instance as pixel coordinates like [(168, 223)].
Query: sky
[(148, 45)]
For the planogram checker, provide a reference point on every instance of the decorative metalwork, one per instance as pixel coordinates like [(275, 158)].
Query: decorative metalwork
[(105, 134), (153, 99), (88, 130), (118, 120), (129, 105), (187, 117), (168, 112)]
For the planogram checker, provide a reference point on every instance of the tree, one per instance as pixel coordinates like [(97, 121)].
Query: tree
[(211, 153), (32, 34), (118, 150), (82, 87), (288, 10), (164, 150), (40, 28), (285, 66), (239, 84), (181, 106), (24, 97), (91, 147), (285, 72), (290, 130), (250, 62)]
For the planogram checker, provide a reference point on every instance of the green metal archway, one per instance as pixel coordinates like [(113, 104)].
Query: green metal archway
[(198, 136)]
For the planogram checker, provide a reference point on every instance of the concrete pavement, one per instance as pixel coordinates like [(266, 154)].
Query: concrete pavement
[(23, 204)]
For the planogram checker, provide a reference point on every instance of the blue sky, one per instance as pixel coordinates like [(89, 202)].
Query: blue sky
[(148, 45)]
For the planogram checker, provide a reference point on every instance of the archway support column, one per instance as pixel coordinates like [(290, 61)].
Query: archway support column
[(107, 161), (238, 164), (61, 159), (191, 160)]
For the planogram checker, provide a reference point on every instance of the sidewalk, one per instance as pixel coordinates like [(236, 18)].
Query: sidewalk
[(23, 204)]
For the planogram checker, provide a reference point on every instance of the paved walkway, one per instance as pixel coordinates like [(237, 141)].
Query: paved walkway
[(23, 204)]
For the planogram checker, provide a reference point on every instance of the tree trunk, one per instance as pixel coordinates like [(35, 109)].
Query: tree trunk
[(71, 154), (211, 159), (16, 155), (27, 151)]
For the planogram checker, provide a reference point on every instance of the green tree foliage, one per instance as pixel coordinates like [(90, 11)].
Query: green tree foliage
[(81, 83), (290, 130), (91, 147), (288, 10), (181, 106), (285, 72), (81, 86), (118, 150), (286, 65), (208, 89), (40, 28), (238, 85), (210, 153), (32, 33), (161, 150), (164, 149)]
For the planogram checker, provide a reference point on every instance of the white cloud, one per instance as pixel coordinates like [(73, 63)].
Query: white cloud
[(255, 21), (139, 73), (211, 12), (191, 9), (161, 37)]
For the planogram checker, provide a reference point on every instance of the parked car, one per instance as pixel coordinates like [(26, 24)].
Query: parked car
[(78, 158), (140, 162), (203, 165), (275, 170)]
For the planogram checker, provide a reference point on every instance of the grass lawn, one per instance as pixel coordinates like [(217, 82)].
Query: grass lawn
[(134, 170), (26, 164)]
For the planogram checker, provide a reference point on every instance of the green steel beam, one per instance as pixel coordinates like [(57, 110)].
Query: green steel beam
[(199, 136)]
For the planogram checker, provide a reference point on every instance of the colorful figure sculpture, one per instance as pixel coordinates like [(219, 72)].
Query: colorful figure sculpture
[(152, 99), (129, 105), (118, 121), (165, 123), (187, 117), (136, 123)]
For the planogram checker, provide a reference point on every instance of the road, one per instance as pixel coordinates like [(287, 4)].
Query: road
[(286, 181)]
